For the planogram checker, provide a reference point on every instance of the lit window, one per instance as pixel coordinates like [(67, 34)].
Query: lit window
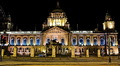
[(18, 41), (12, 41), (31, 41), (25, 41), (74, 41), (81, 41), (112, 41), (102, 41), (62, 41), (37, 41), (88, 41)]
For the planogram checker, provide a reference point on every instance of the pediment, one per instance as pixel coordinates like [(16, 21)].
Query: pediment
[(55, 30)]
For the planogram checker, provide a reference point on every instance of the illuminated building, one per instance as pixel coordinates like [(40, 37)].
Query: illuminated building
[(56, 38)]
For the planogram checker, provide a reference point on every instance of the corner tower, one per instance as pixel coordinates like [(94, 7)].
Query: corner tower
[(57, 18), (109, 23), (5, 21)]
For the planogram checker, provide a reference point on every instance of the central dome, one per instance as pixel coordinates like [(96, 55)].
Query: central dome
[(57, 10)]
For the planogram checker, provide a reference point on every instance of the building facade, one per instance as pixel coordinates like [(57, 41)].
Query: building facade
[(57, 39)]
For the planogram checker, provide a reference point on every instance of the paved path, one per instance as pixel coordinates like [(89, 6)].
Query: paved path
[(9, 63), (60, 61)]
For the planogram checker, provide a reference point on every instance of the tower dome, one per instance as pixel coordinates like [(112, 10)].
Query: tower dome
[(57, 17)]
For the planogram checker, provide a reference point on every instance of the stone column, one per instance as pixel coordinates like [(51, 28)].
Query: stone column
[(43, 39), (15, 51), (28, 41), (32, 51), (2, 52), (59, 39), (77, 40), (116, 40), (98, 40), (21, 40), (69, 41), (91, 40), (72, 51), (87, 52), (34, 40), (66, 39), (15, 40), (98, 53), (53, 51), (84, 40)]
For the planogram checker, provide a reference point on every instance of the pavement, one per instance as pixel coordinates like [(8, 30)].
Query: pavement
[(9, 61)]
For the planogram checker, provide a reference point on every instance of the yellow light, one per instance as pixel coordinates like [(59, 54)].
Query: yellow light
[(110, 25), (44, 51)]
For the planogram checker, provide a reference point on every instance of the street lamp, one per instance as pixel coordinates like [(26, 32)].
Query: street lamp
[(109, 43)]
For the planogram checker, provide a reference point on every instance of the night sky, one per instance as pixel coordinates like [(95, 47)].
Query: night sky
[(87, 14)]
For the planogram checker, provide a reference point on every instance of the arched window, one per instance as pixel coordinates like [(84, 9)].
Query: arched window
[(62, 41), (38, 41), (48, 40), (102, 41), (81, 41), (12, 41), (31, 41), (112, 41), (24, 41), (88, 41), (74, 41), (18, 41), (95, 41)]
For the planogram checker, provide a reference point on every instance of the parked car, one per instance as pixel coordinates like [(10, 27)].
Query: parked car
[(42, 55)]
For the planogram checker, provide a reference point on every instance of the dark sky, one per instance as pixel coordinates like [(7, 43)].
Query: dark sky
[(28, 13)]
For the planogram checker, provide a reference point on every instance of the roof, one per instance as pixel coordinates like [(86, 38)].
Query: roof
[(58, 10)]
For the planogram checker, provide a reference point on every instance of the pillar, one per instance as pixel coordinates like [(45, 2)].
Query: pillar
[(15, 51), (41, 39), (34, 41), (28, 40), (53, 51), (66, 39), (116, 40), (87, 52), (91, 40), (69, 41), (84, 40), (98, 53), (44, 39), (59, 38), (72, 51), (32, 52), (98, 40), (15, 40), (21, 40), (77, 39), (2, 52)]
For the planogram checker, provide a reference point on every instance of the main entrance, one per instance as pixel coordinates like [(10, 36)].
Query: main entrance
[(57, 49)]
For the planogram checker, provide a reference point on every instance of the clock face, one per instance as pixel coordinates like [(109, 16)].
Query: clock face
[(110, 25)]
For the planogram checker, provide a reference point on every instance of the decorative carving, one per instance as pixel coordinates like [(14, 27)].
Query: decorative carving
[(55, 30)]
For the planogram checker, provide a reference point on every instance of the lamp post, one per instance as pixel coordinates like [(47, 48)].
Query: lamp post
[(109, 41)]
